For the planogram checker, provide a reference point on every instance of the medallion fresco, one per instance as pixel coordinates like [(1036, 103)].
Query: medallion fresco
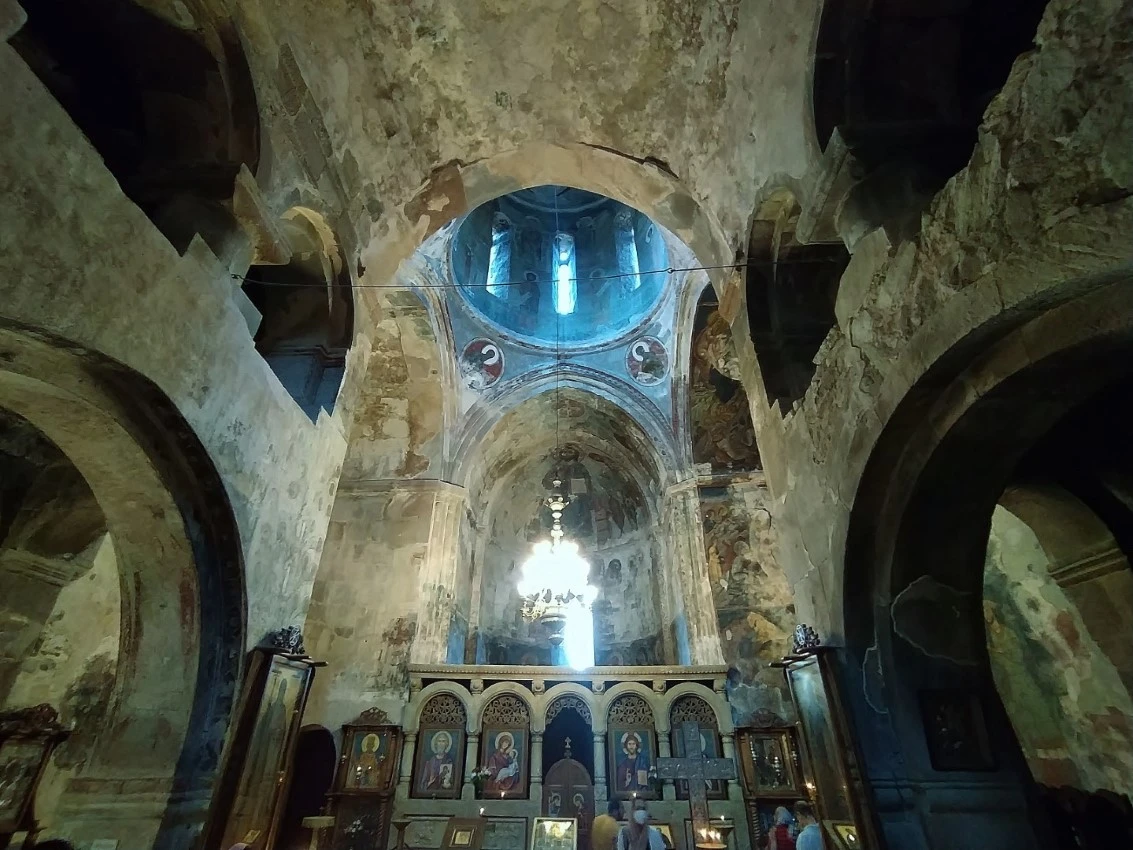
[(481, 364), (647, 361)]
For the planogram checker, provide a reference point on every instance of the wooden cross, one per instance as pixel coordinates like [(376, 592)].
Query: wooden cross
[(697, 770)]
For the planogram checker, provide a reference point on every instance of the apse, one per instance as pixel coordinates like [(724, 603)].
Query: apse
[(554, 266), (601, 458)]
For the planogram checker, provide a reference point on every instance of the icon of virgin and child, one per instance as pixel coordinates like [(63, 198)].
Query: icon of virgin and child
[(502, 765)]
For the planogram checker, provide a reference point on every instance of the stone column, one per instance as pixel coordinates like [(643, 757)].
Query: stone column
[(471, 754), (690, 565), (728, 745), (406, 775), (599, 768), (537, 767), (438, 577), (665, 750)]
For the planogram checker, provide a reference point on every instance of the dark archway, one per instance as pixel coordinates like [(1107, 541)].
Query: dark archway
[(181, 570), (915, 562), (901, 86), (313, 772), (306, 313), (172, 111)]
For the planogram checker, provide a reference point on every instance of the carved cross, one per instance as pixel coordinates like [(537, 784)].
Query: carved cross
[(697, 770)]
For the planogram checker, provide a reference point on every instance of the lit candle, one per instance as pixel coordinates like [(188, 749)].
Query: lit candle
[(501, 795), (481, 811)]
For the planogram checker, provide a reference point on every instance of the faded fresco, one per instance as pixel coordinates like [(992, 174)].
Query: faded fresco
[(754, 605), (608, 518), (720, 419), (1071, 711)]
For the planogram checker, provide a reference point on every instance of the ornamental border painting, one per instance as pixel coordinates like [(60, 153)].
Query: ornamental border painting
[(511, 763), (426, 775)]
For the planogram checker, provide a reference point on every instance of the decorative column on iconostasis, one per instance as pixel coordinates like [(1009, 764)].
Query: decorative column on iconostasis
[(406, 774), (536, 766), (471, 754), (599, 767), (685, 534), (440, 581), (728, 745), (665, 750)]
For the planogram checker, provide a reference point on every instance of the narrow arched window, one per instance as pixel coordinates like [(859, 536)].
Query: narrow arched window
[(499, 257), (626, 246), (564, 285)]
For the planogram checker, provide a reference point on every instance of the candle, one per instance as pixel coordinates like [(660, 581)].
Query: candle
[(501, 795), (481, 811)]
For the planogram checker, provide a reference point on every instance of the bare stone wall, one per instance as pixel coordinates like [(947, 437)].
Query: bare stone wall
[(1044, 201)]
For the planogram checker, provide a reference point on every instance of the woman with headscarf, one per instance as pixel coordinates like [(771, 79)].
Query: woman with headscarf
[(638, 834), (781, 838)]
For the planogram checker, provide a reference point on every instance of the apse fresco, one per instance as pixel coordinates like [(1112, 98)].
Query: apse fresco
[(722, 431), (754, 605), (1066, 700)]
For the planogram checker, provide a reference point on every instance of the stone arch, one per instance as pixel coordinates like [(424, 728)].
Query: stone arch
[(913, 617), (486, 415), (414, 708), (171, 108), (455, 189), (305, 308), (718, 705), (569, 689), (181, 571), (602, 709), (508, 689)]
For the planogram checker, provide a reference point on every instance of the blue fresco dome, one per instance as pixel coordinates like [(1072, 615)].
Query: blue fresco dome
[(555, 265)]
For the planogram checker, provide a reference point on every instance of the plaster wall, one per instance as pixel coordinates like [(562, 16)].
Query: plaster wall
[(368, 603), (1071, 710), (72, 666)]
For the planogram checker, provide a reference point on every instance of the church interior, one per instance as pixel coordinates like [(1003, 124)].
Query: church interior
[(424, 424)]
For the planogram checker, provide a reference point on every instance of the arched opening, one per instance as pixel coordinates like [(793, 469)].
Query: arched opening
[(171, 109), (153, 607), (314, 761), (570, 728), (905, 85), (916, 584), (307, 314), (608, 471), (791, 292), (61, 603)]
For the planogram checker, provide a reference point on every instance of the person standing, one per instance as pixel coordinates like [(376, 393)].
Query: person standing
[(810, 838), (638, 834), (604, 830), (781, 838)]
